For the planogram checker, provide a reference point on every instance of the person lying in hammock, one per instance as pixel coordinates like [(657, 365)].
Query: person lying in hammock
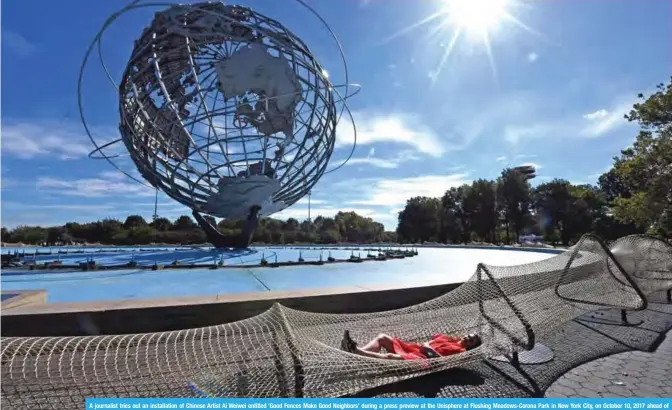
[(439, 345)]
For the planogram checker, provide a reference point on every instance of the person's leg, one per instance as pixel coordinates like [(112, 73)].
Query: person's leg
[(389, 356), (371, 349), (382, 341)]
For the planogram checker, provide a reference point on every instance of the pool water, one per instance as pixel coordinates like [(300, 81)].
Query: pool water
[(432, 266)]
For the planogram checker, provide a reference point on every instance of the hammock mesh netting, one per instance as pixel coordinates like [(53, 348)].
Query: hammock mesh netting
[(289, 353), (647, 259)]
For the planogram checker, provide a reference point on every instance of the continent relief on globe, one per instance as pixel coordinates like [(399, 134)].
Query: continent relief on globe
[(253, 70), (238, 194)]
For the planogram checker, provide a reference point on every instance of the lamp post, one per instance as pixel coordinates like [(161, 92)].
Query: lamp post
[(156, 205), (309, 193)]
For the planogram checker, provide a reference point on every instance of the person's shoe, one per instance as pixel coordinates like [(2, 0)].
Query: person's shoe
[(347, 343)]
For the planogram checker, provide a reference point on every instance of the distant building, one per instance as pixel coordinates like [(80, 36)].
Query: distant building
[(527, 170)]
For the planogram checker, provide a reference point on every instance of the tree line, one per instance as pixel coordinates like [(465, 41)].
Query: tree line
[(634, 196), (135, 230)]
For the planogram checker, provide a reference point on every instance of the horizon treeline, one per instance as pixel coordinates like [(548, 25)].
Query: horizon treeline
[(135, 230), (634, 196)]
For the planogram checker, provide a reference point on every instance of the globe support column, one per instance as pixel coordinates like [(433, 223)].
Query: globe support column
[(219, 240)]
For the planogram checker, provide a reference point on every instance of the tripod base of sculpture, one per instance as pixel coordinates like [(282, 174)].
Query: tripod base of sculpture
[(220, 241)]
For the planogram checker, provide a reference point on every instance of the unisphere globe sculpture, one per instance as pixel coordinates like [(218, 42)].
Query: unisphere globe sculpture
[(224, 110)]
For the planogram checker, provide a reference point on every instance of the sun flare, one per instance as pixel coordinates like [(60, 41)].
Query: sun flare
[(476, 17), (476, 21)]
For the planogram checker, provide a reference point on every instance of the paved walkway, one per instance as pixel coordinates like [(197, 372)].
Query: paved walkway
[(629, 374)]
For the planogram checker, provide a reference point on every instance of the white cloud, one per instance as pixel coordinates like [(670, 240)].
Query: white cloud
[(531, 164), (596, 115), (17, 43), (500, 158), (57, 207), (14, 220), (27, 140), (375, 162), (112, 175), (600, 173), (515, 133), (390, 163), (395, 192), (8, 183), (532, 57), (105, 185), (390, 128), (313, 201), (602, 121), (590, 125), (468, 121)]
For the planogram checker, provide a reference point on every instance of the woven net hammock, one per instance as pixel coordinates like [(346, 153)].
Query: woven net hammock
[(647, 259), (289, 353)]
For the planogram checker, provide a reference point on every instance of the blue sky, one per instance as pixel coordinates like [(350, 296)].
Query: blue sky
[(553, 94)]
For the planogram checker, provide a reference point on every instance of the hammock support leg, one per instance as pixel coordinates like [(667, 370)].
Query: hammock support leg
[(515, 360), (609, 319), (538, 355)]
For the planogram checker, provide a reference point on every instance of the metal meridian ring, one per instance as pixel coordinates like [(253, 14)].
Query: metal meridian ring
[(100, 150)]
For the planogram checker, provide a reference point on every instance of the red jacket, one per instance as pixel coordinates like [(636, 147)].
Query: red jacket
[(443, 345)]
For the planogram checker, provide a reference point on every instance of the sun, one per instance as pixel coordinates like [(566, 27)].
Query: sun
[(476, 21), (476, 18)]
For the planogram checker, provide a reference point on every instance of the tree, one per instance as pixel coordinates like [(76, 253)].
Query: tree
[(291, 224), (356, 228), (419, 220), (552, 202), (612, 185), (108, 231), (133, 221), (513, 200), (161, 224), (480, 207), (455, 225), (141, 235), (586, 207), (645, 169), (184, 223), (33, 235), (54, 235)]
